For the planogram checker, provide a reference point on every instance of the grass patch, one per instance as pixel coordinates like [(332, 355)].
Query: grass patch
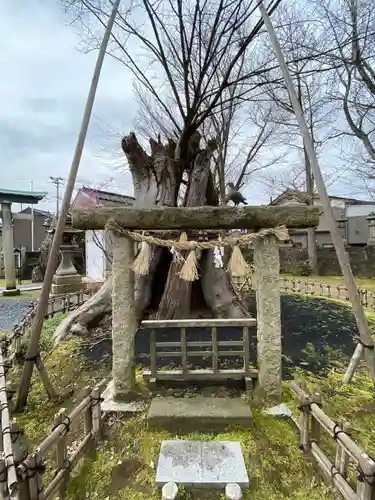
[(124, 465), (24, 282), (25, 294), (69, 374)]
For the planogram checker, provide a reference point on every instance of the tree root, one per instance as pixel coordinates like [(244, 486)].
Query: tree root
[(78, 321)]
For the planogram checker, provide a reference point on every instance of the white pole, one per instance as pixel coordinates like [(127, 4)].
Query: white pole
[(32, 219), (365, 337), (33, 348)]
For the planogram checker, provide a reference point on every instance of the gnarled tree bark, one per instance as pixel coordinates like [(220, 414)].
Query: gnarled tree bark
[(157, 179)]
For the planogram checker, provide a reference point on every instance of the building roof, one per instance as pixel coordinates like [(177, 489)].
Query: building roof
[(22, 196), (108, 196), (36, 211), (302, 197)]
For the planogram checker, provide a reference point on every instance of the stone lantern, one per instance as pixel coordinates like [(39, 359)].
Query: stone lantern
[(342, 225), (371, 225), (66, 278)]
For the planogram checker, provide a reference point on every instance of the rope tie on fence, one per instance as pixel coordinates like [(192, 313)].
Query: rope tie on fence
[(336, 431), (3, 406), (366, 346), (96, 401), (40, 468), (367, 478), (33, 358), (66, 424), (67, 465), (334, 472), (15, 434), (305, 407)]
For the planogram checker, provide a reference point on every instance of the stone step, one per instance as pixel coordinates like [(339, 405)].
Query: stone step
[(204, 414)]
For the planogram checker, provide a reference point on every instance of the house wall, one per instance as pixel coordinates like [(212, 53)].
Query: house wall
[(22, 232), (95, 259), (362, 260), (357, 230)]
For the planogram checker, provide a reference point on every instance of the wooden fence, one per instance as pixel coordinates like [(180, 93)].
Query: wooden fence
[(349, 458), (62, 303), (186, 350), (28, 479), (311, 287), (8, 475)]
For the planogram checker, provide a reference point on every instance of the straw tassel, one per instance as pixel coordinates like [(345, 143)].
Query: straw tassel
[(189, 270), (237, 265), (141, 264)]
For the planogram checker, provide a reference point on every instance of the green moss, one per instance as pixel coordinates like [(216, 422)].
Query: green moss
[(124, 465), (68, 373)]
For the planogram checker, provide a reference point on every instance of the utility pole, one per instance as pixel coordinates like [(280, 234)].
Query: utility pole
[(57, 181), (32, 218)]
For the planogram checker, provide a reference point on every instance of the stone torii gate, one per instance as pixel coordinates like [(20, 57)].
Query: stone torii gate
[(7, 197), (266, 260)]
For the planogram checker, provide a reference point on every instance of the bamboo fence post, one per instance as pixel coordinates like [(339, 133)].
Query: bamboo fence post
[(315, 427), (20, 451), (62, 452), (3, 477), (305, 402), (365, 484), (339, 458), (87, 414), (36, 477), (7, 445), (96, 412)]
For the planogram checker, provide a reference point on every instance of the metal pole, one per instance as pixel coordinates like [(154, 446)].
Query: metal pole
[(33, 348), (366, 345), (32, 219), (57, 197)]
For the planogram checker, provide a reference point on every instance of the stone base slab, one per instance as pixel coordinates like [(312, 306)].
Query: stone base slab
[(67, 279), (64, 289), (200, 413), (11, 292)]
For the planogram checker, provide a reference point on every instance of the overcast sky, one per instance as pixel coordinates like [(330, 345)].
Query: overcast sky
[(43, 86)]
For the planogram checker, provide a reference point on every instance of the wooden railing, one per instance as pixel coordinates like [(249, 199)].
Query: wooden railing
[(8, 475), (30, 472), (62, 303), (311, 287), (347, 452), (212, 346)]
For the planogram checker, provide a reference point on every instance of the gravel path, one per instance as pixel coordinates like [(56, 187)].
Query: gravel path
[(11, 311)]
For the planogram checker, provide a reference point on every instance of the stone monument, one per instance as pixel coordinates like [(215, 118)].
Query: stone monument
[(66, 278), (210, 465)]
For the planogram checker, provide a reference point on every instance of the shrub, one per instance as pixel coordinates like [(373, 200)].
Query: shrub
[(302, 269)]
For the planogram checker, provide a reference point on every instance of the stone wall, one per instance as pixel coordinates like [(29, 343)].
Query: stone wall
[(362, 260)]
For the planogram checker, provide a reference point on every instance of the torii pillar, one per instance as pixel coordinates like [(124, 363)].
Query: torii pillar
[(7, 197), (8, 250)]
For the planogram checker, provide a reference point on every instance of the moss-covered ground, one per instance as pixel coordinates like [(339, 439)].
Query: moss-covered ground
[(123, 467)]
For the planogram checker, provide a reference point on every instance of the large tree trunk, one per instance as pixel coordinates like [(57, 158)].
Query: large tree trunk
[(157, 179)]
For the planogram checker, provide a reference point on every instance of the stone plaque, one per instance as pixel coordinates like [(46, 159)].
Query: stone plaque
[(201, 464)]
